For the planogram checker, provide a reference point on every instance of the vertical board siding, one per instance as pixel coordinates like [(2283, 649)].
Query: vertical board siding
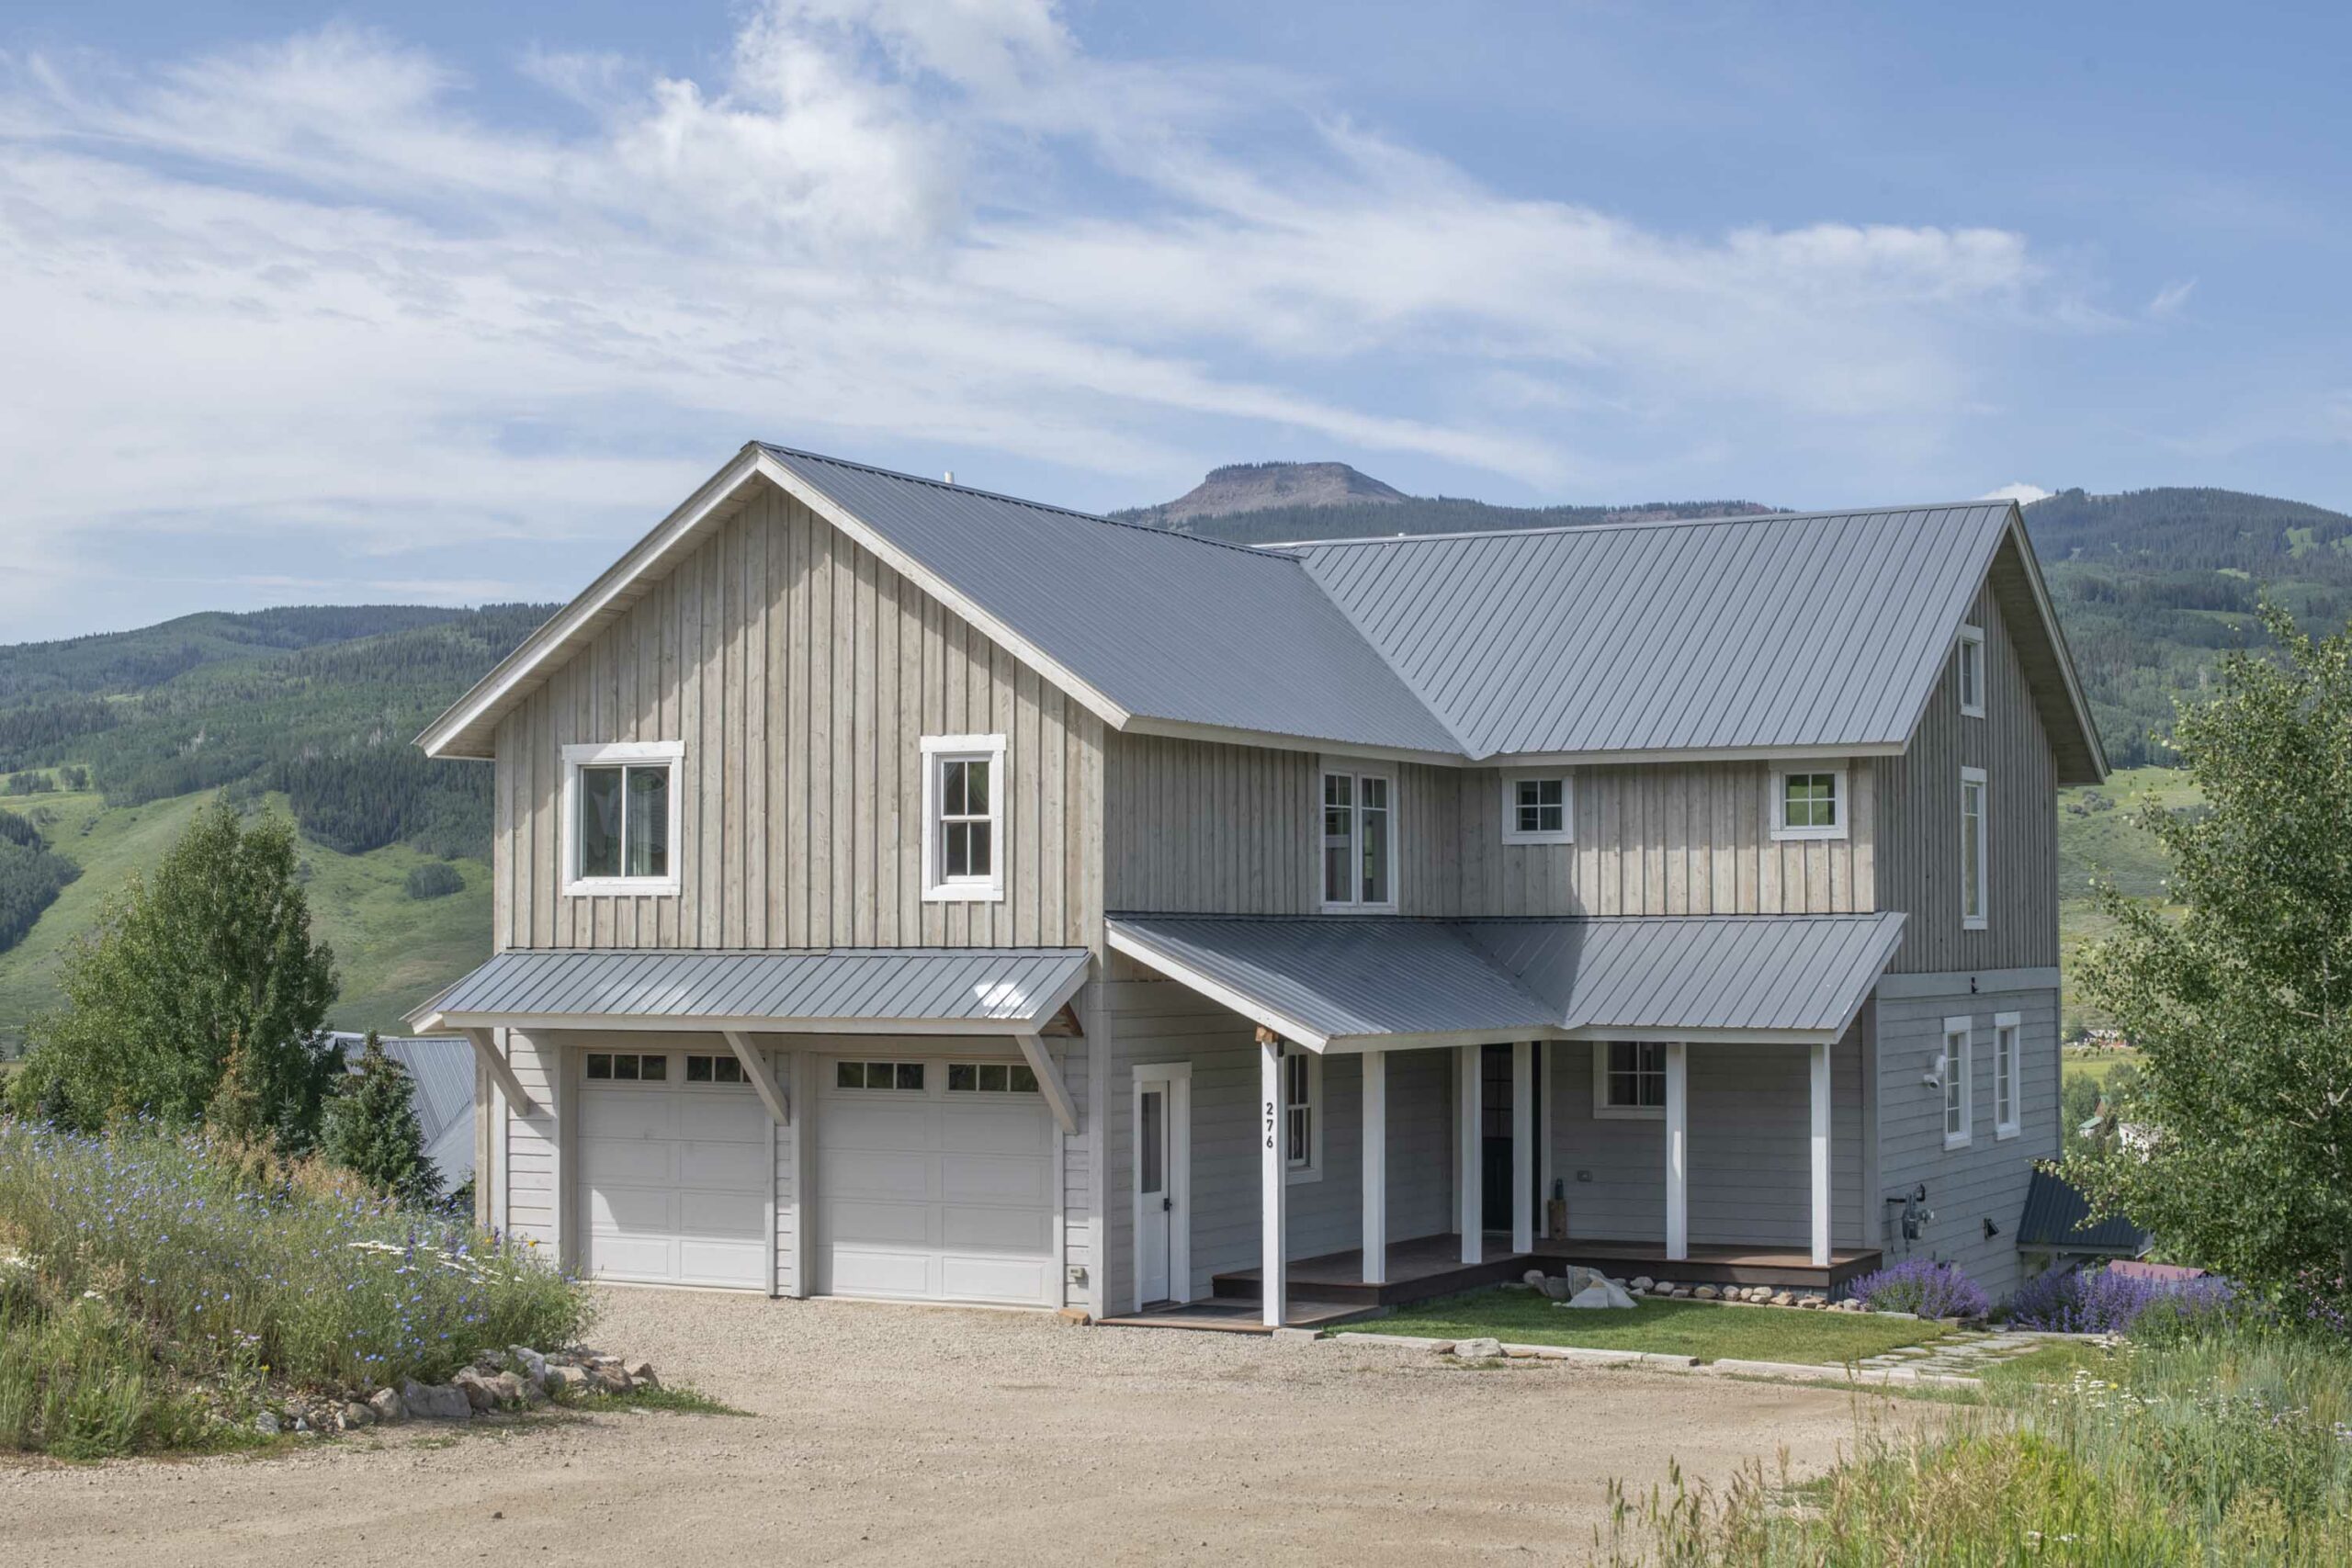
[(1751, 1180), (1986, 1180), (1918, 801), (801, 674), (1197, 827)]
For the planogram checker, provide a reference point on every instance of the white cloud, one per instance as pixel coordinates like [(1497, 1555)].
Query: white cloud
[(307, 293), (2170, 298), (2023, 494)]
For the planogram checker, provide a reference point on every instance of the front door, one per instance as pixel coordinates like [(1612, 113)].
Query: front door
[(1161, 1114)]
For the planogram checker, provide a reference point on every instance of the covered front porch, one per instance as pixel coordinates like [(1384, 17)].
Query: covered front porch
[(1372, 991)]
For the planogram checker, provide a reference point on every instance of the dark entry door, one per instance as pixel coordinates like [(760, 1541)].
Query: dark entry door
[(1495, 1118)]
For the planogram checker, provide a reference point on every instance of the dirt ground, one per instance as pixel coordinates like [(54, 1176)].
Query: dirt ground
[(891, 1435)]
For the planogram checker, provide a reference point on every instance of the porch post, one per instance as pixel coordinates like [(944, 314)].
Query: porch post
[(1273, 1178), (1678, 1153), (1522, 1146), (1375, 1167), (1469, 1217), (1821, 1154)]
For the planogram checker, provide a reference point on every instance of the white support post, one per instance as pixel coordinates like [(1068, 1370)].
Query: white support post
[(1522, 1146), (1821, 1154), (1274, 1180), (1375, 1167), (1469, 1155), (1678, 1151)]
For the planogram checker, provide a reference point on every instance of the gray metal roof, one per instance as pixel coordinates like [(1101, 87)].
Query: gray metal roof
[(1167, 625), (702, 988), (441, 1068), (2057, 1216), (1822, 629), (1354, 982)]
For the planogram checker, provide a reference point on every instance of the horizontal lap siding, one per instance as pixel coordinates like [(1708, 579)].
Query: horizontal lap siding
[(1986, 1180), (534, 1169), (1751, 1163), (1919, 800), (801, 674), (1197, 827)]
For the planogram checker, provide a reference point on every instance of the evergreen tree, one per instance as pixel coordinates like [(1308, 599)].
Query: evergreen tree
[(2238, 1145), (206, 967), (370, 1129)]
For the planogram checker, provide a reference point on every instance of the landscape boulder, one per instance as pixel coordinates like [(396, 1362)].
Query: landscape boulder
[(641, 1375), (1477, 1349), (1601, 1294), (529, 1364), (387, 1404), (436, 1402), (566, 1378)]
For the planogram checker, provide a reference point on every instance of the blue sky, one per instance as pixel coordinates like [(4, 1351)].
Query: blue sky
[(448, 302)]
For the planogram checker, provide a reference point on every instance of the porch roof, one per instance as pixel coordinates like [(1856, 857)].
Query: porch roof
[(996, 990), (1343, 983)]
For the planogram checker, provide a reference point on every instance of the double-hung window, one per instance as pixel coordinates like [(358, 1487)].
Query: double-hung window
[(1302, 1114), (1807, 801), (620, 808), (1359, 839), (1959, 1070), (1538, 808), (1973, 865), (962, 796), (2009, 1073), (1968, 671), (1628, 1079)]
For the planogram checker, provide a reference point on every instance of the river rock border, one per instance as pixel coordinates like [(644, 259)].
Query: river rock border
[(514, 1380)]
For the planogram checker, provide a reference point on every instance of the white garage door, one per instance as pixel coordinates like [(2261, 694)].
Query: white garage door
[(934, 1182), (675, 1171)]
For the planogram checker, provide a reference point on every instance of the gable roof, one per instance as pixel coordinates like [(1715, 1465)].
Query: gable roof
[(1779, 634)]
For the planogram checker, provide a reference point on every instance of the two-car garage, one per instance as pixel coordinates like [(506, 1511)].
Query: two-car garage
[(930, 1178)]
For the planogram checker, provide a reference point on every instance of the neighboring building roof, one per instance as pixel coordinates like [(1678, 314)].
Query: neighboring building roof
[(2058, 1219), (1746, 634), (1822, 633), (914, 989), (1357, 983), (441, 1068)]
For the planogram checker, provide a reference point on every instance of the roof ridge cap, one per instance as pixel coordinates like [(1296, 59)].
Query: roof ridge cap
[(1720, 518)]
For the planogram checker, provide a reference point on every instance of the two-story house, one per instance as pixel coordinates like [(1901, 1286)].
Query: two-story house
[(906, 891)]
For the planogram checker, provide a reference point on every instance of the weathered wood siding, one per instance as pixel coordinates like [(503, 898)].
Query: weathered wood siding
[(1197, 827), (800, 673), (1918, 803), (1986, 1180)]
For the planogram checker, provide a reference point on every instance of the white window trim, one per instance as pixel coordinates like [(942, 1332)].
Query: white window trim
[(1346, 768), (2009, 1041), (597, 755), (1982, 919), (1774, 786), (1604, 1111), (938, 749), (1312, 1169), (1512, 778), (1964, 1071), (1971, 637)]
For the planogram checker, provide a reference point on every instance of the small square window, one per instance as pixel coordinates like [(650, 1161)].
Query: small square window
[(725, 1069), (963, 1077), (653, 1070), (992, 1077), (1538, 808), (620, 805), (1807, 802), (1023, 1080), (1628, 1079), (910, 1075), (625, 1068), (849, 1074), (698, 1069)]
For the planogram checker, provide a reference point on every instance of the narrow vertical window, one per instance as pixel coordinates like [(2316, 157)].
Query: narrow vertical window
[(1972, 862), (962, 847), (1301, 1113), (620, 803), (1358, 840), (1959, 1090), (2009, 1073), (1968, 671)]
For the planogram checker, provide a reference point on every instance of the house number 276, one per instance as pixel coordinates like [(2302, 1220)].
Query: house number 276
[(1270, 1123)]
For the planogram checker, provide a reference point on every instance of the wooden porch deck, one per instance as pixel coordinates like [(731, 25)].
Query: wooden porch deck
[(1432, 1266)]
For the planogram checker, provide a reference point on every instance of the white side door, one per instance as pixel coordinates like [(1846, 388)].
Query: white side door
[(1162, 1124)]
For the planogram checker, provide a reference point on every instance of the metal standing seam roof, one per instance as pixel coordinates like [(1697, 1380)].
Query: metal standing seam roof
[(935, 986), (1814, 630), (1166, 624), (1358, 980), (2058, 1217)]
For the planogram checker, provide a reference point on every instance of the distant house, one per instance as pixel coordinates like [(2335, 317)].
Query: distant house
[(907, 891), (442, 1069), (2057, 1227)]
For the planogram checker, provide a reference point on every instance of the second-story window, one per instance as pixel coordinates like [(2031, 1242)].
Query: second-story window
[(1968, 671), (1972, 859), (963, 791), (1538, 808), (620, 807), (1359, 839), (1807, 801)]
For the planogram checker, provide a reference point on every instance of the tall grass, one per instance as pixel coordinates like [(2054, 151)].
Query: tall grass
[(170, 1262), (2232, 1447)]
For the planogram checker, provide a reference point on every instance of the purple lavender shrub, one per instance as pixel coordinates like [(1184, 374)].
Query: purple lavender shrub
[(2099, 1300), (1924, 1286)]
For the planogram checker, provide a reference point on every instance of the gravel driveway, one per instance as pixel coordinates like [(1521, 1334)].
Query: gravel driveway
[(893, 1435)]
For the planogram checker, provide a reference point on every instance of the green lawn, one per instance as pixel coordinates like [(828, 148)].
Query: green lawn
[(1711, 1331), (2097, 1066)]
